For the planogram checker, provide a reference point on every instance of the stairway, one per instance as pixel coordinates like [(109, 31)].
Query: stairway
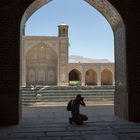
[(43, 96)]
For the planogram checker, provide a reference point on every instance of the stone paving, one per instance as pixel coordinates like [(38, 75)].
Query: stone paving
[(51, 123)]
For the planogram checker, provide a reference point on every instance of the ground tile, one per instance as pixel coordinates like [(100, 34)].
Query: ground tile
[(126, 137), (135, 135), (59, 134), (26, 135), (72, 138), (128, 130), (101, 137), (31, 138), (50, 138), (96, 132)]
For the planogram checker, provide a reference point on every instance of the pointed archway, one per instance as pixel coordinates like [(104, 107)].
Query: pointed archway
[(47, 73), (91, 77), (106, 77), (74, 77), (118, 27)]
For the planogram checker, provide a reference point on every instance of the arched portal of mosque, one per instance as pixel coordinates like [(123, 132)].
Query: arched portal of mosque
[(118, 27), (41, 66), (126, 38)]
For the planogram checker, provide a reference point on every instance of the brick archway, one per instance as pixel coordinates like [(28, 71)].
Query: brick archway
[(118, 27), (75, 76), (106, 77), (15, 13), (90, 77)]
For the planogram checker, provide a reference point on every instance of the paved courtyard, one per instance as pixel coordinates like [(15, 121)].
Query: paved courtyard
[(51, 123)]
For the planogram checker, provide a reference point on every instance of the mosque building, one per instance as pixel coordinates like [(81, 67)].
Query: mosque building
[(46, 61)]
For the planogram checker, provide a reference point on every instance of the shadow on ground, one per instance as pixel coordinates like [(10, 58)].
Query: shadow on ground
[(51, 123)]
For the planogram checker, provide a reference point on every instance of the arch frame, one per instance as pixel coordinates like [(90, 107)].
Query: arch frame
[(24, 58), (94, 81), (77, 71), (107, 80), (118, 27), (26, 68)]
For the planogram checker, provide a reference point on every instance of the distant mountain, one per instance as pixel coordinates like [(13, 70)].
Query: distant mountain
[(81, 59)]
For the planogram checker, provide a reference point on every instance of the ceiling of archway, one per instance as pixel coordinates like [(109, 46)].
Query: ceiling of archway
[(103, 6)]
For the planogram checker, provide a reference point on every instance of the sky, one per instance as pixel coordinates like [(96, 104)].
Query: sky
[(90, 35)]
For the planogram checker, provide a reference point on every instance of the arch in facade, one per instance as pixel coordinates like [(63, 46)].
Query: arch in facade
[(90, 77), (118, 27), (43, 60), (75, 76), (41, 76), (106, 77), (31, 75)]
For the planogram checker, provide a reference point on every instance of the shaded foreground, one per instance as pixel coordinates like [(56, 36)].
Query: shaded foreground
[(51, 123)]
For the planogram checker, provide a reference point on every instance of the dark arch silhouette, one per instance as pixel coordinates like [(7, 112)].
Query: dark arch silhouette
[(75, 76)]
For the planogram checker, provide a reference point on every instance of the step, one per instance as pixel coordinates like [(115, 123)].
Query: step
[(62, 96)]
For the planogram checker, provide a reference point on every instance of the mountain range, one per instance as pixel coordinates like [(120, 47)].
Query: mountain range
[(81, 59)]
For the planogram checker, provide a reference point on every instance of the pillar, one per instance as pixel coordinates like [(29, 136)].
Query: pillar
[(63, 55), (23, 63), (99, 77), (83, 78)]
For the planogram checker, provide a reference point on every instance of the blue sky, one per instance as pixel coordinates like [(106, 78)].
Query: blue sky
[(90, 35)]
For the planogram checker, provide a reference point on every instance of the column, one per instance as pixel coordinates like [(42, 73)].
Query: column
[(22, 62), (83, 79), (99, 78)]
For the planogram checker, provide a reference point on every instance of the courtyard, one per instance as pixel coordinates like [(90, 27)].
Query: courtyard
[(51, 123)]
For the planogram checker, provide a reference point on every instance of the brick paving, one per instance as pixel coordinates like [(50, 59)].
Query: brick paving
[(51, 123)]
